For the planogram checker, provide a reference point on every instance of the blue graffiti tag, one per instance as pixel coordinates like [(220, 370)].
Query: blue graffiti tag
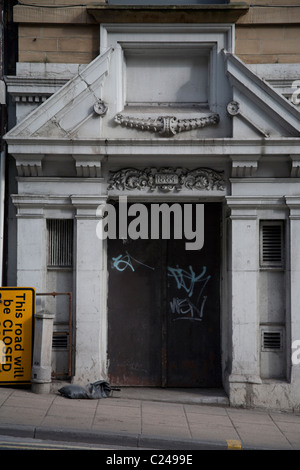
[(122, 262), (186, 309), (186, 279)]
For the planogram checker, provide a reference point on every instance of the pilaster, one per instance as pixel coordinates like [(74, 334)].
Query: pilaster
[(293, 202), (243, 266), (31, 241), (90, 288)]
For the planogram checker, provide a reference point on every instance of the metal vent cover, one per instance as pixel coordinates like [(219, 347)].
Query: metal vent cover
[(271, 246), (60, 341), (271, 340), (60, 242)]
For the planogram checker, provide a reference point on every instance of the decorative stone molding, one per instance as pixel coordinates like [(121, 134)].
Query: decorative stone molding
[(166, 126), (243, 167), (166, 179), (29, 92), (29, 165), (92, 170), (295, 169), (100, 108), (87, 166), (233, 109), (86, 206), (32, 89)]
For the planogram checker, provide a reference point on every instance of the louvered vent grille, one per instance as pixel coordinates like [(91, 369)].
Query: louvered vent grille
[(271, 340), (60, 242), (272, 244), (60, 341)]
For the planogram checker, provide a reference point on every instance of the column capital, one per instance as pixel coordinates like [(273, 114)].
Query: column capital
[(86, 205), (293, 203), (247, 207)]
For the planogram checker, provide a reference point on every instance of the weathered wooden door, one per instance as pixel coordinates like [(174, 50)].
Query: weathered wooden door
[(164, 310)]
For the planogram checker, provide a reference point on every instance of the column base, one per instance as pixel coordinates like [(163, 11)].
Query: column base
[(41, 387), (41, 379)]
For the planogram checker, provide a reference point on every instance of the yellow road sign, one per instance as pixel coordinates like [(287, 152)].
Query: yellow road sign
[(17, 308)]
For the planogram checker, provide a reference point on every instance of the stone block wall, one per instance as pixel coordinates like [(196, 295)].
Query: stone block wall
[(268, 44), (75, 44), (57, 34)]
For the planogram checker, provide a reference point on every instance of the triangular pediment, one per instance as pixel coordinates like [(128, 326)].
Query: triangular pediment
[(257, 108), (72, 107), (88, 108)]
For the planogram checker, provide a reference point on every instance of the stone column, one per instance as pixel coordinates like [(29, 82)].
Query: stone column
[(293, 202), (31, 242), (42, 353), (243, 297), (31, 272), (90, 293)]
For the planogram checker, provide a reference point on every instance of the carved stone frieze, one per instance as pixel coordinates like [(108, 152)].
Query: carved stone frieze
[(166, 126), (166, 179)]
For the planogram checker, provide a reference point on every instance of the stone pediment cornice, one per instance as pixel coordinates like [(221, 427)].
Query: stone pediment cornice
[(31, 89), (89, 154), (68, 108), (259, 99), (121, 146)]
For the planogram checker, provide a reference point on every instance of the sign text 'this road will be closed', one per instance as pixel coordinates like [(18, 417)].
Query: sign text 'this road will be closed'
[(17, 307)]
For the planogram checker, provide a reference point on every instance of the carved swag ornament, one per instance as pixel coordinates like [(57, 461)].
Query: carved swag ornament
[(166, 126), (166, 179)]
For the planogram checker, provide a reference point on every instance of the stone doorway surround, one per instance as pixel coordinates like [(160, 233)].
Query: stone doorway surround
[(67, 148)]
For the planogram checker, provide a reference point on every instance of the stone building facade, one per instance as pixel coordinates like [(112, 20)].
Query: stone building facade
[(177, 106)]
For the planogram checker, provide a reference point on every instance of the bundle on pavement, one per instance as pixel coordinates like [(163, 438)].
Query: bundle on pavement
[(99, 389)]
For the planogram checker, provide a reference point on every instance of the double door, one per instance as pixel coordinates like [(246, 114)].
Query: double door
[(164, 310)]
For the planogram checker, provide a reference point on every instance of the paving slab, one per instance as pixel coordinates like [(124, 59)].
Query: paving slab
[(141, 418)]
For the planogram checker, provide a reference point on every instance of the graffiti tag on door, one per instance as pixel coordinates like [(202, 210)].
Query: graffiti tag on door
[(122, 262), (190, 306)]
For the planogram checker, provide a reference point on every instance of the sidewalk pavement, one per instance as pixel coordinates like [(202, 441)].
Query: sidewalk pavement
[(147, 418)]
